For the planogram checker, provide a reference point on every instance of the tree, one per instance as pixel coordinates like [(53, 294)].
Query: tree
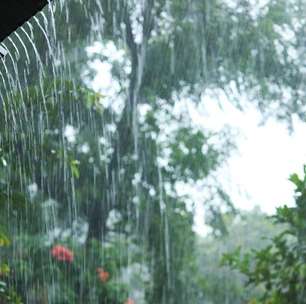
[(60, 157)]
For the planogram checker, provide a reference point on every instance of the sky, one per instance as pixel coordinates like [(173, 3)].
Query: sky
[(257, 173)]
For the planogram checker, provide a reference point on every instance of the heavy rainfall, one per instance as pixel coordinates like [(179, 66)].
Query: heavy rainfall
[(109, 162)]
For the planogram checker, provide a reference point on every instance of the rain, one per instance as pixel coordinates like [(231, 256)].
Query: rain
[(121, 124)]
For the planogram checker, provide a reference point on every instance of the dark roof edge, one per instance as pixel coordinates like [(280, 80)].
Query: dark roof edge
[(14, 13)]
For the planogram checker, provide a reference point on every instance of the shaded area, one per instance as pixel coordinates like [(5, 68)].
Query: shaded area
[(15, 13)]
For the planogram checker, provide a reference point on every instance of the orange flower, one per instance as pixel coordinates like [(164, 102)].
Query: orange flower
[(61, 253), (103, 275), (129, 301)]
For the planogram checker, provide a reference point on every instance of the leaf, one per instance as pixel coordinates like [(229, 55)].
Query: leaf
[(74, 165), (4, 240), (4, 270), (294, 178)]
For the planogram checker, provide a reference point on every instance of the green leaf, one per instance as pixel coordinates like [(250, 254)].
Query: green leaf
[(74, 165), (4, 240), (294, 178), (4, 270)]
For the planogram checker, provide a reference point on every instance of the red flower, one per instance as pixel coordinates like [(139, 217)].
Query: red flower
[(61, 253), (103, 275), (129, 301)]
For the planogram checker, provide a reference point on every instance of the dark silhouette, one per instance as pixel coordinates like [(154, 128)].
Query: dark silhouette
[(15, 13)]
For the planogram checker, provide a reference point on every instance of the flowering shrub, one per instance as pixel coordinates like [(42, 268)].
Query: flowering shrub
[(102, 275), (130, 301), (62, 254), (70, 272)]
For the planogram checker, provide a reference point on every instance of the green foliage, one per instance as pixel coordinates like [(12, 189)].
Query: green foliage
[(245, 230), (280, 267), (46, 158), (7, 293), (65, 282), (61, 154)]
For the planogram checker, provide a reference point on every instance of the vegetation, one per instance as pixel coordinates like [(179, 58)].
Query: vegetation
[(91, 162), (279, 268), (221, 284)]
